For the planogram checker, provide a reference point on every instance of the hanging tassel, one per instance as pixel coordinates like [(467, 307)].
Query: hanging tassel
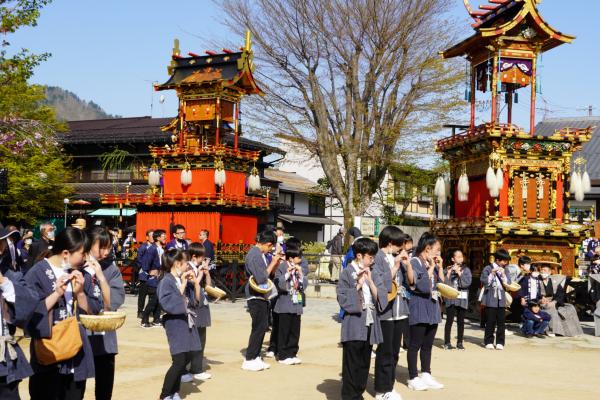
[(463, 187), (154, 176), (494, 192), (586, 183), (439, 190), (490, 179), (499, 179), (575, 182), (579, 194), (447, 188)]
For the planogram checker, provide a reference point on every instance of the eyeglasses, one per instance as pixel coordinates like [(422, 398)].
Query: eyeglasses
[(179, 233)]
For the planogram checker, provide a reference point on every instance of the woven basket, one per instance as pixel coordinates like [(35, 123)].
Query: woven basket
[(108, 321), (215, 292)]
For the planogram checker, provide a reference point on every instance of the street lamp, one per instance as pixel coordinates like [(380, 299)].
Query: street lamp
[(66, 201)]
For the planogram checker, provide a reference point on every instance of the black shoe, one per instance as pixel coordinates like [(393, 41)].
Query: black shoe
[(447, 346), (528, 335), (460, 346), (540, 336), (146, 325)]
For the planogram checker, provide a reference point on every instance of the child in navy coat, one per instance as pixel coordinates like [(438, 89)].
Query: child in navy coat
[(178, 320), (291, 283), (361, 294), (535, 321)]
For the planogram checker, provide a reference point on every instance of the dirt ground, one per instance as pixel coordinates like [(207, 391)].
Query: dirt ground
[(551, 368)]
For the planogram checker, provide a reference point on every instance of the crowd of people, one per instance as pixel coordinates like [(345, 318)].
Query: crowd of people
[(391, 294), (43, 289)]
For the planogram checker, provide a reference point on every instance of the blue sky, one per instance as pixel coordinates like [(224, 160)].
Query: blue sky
[(110, 51)]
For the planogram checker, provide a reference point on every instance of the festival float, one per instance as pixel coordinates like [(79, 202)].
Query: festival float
[(203, 179), (508, 187)]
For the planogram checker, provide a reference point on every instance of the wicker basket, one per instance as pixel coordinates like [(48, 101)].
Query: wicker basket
[(215, 292), (108, 321)]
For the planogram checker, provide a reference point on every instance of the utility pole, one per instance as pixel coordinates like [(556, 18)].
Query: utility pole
[(590, 110)]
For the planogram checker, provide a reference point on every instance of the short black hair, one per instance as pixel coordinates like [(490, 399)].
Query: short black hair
[(391, 234), (364, 246), (206, 231), (291, 252), (177, 227), (149, 231), (524, 260), (451, 253), (266, 237), (293, 242), (158, 233), (196, 249)]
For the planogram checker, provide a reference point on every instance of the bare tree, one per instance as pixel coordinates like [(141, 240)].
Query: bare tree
[(352, 81)]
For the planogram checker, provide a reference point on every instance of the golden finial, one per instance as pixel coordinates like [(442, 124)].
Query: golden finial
[(248, 41)]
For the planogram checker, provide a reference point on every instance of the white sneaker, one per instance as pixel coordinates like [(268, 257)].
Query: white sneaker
[(252, 365), (550, 334), (297, 360), (499, 347), (270, 354), (203, 376), (417, 384), (508, 333), (186, 378), (393, 395), (261, 362), (176, 396), (489, 346), (287, 361), (373, 354), (430, 381)]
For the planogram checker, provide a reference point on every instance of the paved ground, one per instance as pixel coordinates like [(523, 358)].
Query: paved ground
[(551, 368)]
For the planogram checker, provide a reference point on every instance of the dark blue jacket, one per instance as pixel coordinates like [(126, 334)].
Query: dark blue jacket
[(151, 262), (540, 316)]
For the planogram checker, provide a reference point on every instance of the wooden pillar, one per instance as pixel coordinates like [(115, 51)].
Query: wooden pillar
[(473, 88), (236, 123), (495, 89), (218, 117), (181, 122), (509, 96), (532, 106)]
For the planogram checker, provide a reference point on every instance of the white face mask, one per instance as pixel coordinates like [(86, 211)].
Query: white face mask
[(535, 274), (65, 264), (50, 235), (545, 275), (27, 241), (280, 239)]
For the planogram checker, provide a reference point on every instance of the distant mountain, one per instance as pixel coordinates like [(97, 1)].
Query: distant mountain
[(69, 107)]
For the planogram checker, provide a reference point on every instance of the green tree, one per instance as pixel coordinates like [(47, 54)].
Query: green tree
[(37, 169)]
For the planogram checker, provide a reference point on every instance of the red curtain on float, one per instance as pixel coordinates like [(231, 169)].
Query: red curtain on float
[(194, 222), (235, 183), (238, 228), (203, 182), (475, 205)]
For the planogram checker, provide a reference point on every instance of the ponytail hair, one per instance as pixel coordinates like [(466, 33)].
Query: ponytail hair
[(70, 239), (426, 239), (171, 256)]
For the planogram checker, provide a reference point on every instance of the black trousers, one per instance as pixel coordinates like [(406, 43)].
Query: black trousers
[(105, 376), (9, 391), (494, 321), (259, 312), (387, 355), (142, 294), (356, 360), (196, 366), (172, 380), (289, 335), (451, 312), (274, 329), (152, 307), (50, 385), (421, 341), (404, 333)]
